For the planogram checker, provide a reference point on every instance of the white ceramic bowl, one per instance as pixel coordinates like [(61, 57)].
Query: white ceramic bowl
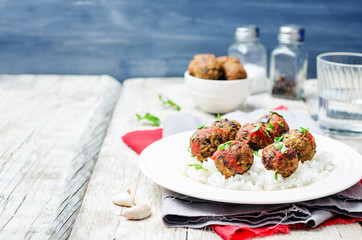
[(218, 96)]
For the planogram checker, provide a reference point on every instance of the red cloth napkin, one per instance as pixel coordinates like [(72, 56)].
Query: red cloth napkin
[(139, 140)]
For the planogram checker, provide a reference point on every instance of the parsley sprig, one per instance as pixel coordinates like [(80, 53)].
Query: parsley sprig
[(224, 145), (194, 136), (268, 129), (257, 127), (281, 146), (151, 119), (304, 130), (169, 103), (279, 139), (198, 166), (189, 150), (272, 112), (276, 174), (218, 118)]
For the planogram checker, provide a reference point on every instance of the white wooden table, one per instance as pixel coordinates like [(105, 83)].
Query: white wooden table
[(51, 131)]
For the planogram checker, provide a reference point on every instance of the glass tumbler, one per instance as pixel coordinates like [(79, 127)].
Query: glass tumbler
[(340, 91)]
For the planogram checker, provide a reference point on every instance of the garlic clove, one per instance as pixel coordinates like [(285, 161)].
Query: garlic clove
[(125, 199), (137, 212)]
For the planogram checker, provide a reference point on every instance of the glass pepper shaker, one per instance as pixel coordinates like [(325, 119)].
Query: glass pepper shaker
[(288, 63), (252, 55)]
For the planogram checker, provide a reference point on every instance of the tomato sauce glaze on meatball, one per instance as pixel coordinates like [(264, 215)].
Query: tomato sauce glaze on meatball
[(256, 135), (275, 123), (302, 141), (233, 158), (280, 158), (204, 142), (230, 126)]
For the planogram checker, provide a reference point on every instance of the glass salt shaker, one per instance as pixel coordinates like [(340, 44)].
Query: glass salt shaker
[(288, 63), (252, 55)]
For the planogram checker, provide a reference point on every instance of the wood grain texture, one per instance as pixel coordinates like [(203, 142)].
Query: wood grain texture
[(51, 130), (158, 38), (117, 169)]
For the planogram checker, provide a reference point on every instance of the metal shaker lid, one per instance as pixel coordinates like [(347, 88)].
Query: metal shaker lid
[(291, 34), (248, 32)]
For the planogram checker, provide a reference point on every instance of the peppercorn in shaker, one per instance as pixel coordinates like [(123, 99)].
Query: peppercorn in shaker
[(288, 63), (252, 55)]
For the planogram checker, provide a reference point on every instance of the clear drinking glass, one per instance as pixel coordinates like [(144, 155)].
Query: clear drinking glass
[(340, 91)]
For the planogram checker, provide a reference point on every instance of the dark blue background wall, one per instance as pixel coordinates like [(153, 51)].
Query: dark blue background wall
[(145, 38)]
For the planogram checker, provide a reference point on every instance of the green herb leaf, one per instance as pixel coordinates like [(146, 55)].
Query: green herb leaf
[(224, 145), (218, 118), (189, 150), (279, 139), (202, 127), (278, 145), (272, 112), (198, 166), (256, 153), (267, 133), (281, 146), (194, 136), (284, 149), (169, 102), (276, 175), (280, 124), (303, 130), (153, 120), (270, 129), (257, 127)]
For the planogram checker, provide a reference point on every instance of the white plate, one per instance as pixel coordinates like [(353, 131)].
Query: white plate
[(161, 163)]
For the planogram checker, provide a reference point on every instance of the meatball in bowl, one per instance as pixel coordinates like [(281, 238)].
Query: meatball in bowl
[(217, 85)]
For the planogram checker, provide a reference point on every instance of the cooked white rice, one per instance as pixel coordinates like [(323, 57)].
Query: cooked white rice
[(259, 178)]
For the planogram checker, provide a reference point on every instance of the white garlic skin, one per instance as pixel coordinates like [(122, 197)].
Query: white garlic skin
[(137, 212), (124, 199)]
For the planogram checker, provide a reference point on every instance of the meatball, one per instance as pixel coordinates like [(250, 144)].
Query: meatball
[(303, 143), (224, 59), (232, 68), (205, 66), (233, 157), (204, 142), (230, 126), (254, 134), (280, 158), (275, 123)]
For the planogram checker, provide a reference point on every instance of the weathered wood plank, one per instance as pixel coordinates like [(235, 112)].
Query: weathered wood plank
[(51, 130)]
